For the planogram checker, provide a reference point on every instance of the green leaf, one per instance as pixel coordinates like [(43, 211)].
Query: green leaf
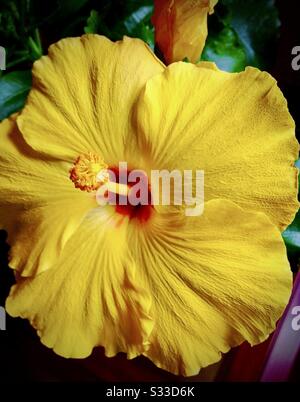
[(242, 34), (226, 51), (131, 6), (291, 236), (256, 22), (14, 88), (138, 25), (93, 23), (137, 17), (133, 18), (146, 33), (35, 46)]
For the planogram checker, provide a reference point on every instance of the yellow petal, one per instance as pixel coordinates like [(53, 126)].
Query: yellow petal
[(90, 297), (235, 127), (208, 64), (181, 28), (216, 281), (39, 206), (82, 96)]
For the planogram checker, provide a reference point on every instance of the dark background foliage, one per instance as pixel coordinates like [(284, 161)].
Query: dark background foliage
[(260, 33)]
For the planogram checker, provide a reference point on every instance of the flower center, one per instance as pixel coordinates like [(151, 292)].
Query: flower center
[(84, 173), (90, 172)]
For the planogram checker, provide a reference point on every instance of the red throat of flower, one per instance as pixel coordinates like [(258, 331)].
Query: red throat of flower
[(141, 212)]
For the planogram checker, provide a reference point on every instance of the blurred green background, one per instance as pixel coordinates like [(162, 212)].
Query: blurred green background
[(241, 33)]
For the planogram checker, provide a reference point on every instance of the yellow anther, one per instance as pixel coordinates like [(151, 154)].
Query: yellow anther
[(85, 172)]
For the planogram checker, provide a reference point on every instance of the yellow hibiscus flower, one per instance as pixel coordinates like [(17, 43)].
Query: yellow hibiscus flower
[(179, 290), (181, 28)]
